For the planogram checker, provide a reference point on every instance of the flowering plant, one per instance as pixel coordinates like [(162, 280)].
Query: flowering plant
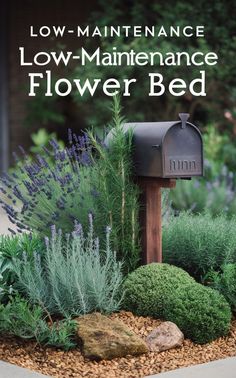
[(63, 185)]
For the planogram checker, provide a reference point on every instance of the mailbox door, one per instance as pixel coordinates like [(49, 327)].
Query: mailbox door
[(182, 153), (147, 150), (147, 160)]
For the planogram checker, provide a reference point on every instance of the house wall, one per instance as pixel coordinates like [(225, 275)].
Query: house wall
[(22, 14)]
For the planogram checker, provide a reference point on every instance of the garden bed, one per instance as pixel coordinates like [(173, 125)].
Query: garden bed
[(58, 363)]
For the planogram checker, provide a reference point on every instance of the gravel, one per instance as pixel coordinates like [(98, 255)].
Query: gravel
[(57, 363)]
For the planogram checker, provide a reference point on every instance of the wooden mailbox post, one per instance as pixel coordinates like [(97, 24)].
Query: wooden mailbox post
[(151, 217)]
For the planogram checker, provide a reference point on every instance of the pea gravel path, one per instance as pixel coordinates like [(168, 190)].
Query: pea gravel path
[(60, 364)]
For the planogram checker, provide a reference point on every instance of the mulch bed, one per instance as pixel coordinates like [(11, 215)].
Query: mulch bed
[(57, 363)]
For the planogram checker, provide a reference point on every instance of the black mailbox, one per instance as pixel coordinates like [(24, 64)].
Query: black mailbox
[(167, 149)]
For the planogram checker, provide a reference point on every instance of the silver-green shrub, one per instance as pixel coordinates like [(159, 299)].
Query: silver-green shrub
[(199, 243), (74, 276)]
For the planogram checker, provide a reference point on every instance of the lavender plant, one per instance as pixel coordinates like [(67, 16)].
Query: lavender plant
[(55, 188), (64, 185), (74, 277)]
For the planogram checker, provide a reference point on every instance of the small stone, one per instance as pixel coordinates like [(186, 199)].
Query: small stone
[(165, 336), (104, 338)]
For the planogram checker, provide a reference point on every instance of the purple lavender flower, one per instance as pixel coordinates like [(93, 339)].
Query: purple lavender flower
[(70, 139), (96, 244), (78, 230), (85, 158), (3, 190), (22, 150), (11, 231), (53, 230), (61, 203), (16, 157), (54, 144), (42, 161), (75, 138), (43, 179)]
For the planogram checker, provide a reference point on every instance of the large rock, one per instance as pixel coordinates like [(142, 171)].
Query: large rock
[(103, 338), (164, 337)]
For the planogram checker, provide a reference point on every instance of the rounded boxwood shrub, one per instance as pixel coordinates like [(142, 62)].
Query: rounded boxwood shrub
[(148, 287), (167, 292), (200, 312)]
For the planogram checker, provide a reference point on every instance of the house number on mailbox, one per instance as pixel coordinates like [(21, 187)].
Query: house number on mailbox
[(177, 165)]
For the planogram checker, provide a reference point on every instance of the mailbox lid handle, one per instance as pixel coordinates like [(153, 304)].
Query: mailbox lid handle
[(184, 117)]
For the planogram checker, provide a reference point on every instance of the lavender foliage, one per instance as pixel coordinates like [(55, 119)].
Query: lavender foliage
[(75, 276), (54, 188)]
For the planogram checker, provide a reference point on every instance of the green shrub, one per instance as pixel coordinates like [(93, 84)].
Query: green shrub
[(198, 243), (20, 319), (74, 276), (60, 334), (12, 247), (167, 292), (148, 287), (117, 202), (219, 148), (225, 282), (200, 312)]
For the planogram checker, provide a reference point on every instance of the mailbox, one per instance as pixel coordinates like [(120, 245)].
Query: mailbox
[(163, 152), (167, 149)]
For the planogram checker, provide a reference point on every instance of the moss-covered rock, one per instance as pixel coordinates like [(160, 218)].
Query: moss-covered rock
[(103, 338)]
